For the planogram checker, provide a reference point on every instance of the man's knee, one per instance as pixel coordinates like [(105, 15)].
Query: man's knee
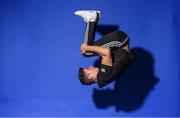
[(120, 35)]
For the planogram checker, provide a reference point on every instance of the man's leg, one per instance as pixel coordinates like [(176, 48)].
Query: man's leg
[(91, 18), (90, 33), (113, 40)]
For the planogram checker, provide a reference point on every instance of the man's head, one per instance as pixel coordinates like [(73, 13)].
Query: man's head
[(88, 75)]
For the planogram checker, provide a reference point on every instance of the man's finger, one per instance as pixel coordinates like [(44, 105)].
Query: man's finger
[(82, 52)]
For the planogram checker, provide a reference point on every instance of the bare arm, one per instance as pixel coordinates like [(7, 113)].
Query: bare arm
[(103, 52)]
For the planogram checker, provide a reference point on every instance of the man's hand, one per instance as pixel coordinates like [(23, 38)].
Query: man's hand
[(84, 48), (103, 52)]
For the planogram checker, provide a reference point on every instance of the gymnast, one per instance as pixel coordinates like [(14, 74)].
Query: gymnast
[(113, 49)]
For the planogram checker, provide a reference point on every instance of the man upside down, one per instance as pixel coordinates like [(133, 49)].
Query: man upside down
[(113, 49)]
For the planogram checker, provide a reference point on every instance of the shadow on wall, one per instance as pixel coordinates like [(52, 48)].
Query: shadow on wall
[(131, 87)]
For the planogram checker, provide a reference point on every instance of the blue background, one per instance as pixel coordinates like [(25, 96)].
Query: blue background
[(40, 57)]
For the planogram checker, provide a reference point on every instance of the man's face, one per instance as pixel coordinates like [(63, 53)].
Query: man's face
[(91, 72)]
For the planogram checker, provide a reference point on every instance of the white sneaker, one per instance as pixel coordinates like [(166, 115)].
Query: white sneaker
[(89, 15)]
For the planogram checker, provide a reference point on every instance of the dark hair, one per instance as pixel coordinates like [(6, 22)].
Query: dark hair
[(83, 78)]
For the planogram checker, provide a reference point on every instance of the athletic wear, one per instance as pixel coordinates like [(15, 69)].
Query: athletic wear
[(121, 59), (89, 15), (112, 40), (89, 36), (115, 41)]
